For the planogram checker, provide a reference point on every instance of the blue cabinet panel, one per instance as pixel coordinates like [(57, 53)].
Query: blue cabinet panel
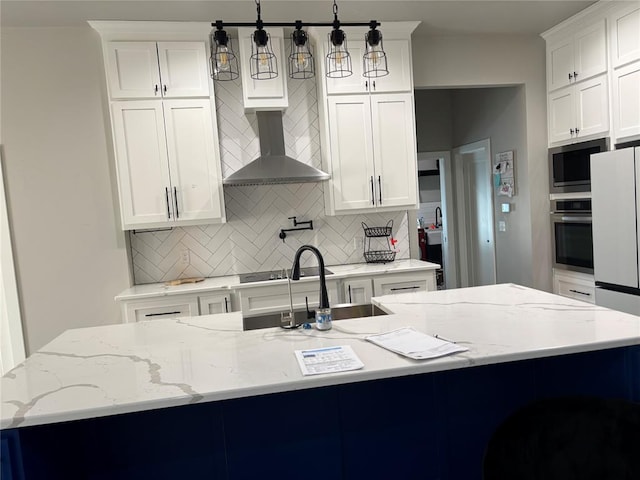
[(287, 435), (390, 429)]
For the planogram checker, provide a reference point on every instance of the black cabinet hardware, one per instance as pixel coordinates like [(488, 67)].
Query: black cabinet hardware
[(166, 195), (404, 288), (373, 195), (160, 314), (175, 199), (581, 293)]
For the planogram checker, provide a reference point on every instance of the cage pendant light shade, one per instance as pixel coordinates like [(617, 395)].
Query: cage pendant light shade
[(300, 59), (263, 62), (374, 61), (224, 64), (338, 58)]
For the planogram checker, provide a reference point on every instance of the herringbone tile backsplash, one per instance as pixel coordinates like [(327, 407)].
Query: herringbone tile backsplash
[(249, 241)]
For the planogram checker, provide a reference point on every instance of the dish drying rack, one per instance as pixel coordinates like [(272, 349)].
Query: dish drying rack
[(378, 256)]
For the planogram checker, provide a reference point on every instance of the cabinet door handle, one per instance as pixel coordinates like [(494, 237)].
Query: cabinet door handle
[(414, 287), (350, 299), (374, 84), (379, 190), (166, 195), (366, 84), (164, 88), (571, 131), (581, 293), (373, 195), (160, 314), (577, 130), (575, 76), (155, 90), (226, 305), (570, 76), (175, 200)]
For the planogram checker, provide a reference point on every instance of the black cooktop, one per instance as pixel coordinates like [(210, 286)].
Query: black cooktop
[(280, 274)]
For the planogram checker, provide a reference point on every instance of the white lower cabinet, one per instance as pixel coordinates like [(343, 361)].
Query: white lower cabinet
[(403, 283), (215, 303), (156, 308), (579, 286), (357, 290), (275, 298)]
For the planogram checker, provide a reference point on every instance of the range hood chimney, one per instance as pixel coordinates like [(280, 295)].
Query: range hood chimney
[(273, 166)]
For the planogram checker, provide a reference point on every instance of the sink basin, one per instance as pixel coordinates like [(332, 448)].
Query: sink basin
[(338, 312)]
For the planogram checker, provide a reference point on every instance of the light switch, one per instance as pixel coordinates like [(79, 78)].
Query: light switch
[(502, 226), (506, 207)]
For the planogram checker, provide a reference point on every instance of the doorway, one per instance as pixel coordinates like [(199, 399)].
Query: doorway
[(475, 214)]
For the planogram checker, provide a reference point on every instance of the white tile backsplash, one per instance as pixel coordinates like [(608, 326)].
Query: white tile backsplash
[(255, 214)]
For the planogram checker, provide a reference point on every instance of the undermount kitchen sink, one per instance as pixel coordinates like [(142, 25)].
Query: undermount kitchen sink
[(339, 312)]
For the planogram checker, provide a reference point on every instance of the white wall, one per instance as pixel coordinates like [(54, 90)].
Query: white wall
[(498, 60), (70, 255)]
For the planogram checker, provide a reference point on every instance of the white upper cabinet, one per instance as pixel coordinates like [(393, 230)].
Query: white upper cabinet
[(625, 35), (157, 69), (577, 56), (398, 62), (266, 94), (166, 163), (579, 112), (626, 101), (368, 127)]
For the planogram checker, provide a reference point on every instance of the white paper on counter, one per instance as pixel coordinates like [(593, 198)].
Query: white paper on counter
[(413, 344), (328, 360)]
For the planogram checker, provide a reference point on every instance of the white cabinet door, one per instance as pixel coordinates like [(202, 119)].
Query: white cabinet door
[(399, 65), (215, 303), (351, 145), (561, 115), (626, 101), (394, 146), (183, 69), (579, 111), (159, 308), (592, 107), (132, 69), (613, 177), (195, 179), (154, 70), (560, 64), (625, 35), (577, 57), (357, 290), (141, 158), (355, 83), (266, 93), (590, 51)]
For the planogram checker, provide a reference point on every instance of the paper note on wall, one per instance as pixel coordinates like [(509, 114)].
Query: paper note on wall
[(503, 169)]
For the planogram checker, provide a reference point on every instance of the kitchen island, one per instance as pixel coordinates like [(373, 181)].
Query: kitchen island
[(199, 398)]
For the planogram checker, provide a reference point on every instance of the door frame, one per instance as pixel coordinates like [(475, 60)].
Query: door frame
[(11, 335), (463, 237)]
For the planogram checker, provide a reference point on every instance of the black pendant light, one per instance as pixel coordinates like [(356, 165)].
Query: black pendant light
[(338, 58), (263, 62), (300, 59), (224, 64), (374, 58)]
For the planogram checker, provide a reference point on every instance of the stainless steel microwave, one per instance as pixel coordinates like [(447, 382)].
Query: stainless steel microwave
[(570, 168)]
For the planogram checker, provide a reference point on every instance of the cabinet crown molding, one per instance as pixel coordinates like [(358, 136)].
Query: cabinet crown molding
[(151, 31)]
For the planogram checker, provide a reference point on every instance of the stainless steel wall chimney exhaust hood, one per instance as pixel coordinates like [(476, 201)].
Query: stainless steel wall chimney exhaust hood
[(273, 166)]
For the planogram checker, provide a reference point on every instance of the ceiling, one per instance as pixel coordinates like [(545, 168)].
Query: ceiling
[(448, 17)]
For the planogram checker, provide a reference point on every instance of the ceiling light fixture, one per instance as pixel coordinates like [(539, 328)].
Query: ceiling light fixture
[(264, 64), (224, 64), (300, 59), (375, 58)]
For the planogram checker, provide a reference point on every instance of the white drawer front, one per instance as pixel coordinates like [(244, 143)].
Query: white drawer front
[(260, 300), (576, 290), (154, 309)]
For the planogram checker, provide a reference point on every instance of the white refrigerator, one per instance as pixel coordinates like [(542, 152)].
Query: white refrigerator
[(615, 190)]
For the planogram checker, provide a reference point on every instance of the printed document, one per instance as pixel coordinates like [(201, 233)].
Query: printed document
[(328, 360), (413, 344)]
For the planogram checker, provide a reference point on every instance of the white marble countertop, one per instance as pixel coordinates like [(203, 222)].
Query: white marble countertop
[(115, 369), (233, 282)]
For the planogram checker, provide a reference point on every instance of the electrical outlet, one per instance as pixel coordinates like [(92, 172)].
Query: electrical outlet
[(184, 257), (358, 243), (502, 226)]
